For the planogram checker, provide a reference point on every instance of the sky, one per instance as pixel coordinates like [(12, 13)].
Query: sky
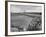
[(25, 8)]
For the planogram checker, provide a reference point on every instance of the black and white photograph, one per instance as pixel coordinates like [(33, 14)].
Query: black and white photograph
[(25, 18)]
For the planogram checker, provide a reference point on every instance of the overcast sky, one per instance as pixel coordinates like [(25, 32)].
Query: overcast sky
[(25, 8)]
